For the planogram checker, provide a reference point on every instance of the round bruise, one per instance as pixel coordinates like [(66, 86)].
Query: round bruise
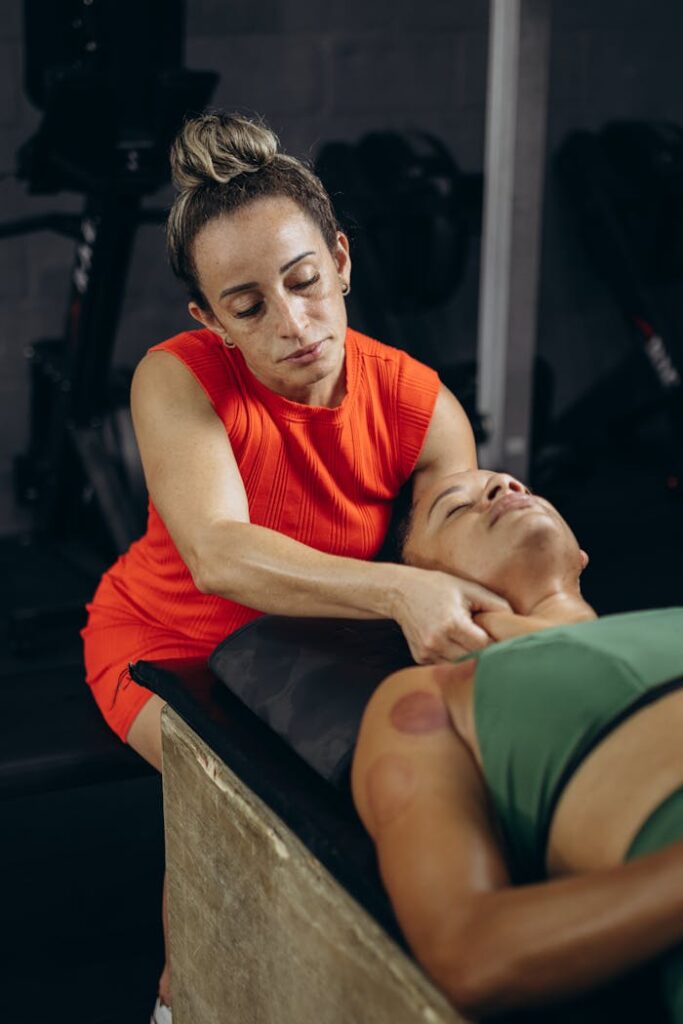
[(390, 785), (419, 712)]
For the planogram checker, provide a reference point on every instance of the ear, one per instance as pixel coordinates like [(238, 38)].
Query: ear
[(206, 318), (584, 559), (342, 258)]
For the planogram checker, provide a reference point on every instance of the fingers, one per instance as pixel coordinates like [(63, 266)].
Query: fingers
[(456, 652), (471, 636), (505, 625), (449, 654), (462, 637), (482, 600), (491, 621), (437, 616)]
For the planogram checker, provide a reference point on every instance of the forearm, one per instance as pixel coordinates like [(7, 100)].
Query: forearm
[(266, 570), (534, 943)]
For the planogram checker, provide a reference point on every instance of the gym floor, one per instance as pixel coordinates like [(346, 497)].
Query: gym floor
[(82, 869)]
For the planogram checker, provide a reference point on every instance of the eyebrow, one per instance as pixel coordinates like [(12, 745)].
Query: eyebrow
[(254, 284), (449, 490)]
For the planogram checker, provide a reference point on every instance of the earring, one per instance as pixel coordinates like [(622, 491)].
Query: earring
[(346, 288), (228, 343)]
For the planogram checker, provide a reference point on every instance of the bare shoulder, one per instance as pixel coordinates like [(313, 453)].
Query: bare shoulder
[(413, 686), (161, 374), (401, 682), (166, 399), (407, 744)]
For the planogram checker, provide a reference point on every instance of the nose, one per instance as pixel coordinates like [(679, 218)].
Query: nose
[(291, 317), (501, 484)]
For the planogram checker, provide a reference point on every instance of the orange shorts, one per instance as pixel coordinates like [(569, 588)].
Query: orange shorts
[(110, 644)]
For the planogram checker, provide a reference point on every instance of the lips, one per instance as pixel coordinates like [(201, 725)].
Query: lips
[(305, 354), (508, 504)]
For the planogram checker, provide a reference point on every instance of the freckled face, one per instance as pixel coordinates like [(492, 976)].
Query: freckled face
[(275, 291), (487, 527)]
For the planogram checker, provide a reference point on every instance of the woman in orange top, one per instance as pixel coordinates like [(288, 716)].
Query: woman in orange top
[(273, 441)]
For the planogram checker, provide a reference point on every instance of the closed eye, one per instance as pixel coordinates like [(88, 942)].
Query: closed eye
[(306, 284), (457, 508), (253, 310)]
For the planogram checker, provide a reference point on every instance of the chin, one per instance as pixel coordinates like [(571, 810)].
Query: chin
[(536, 523), (540, 550), (319, 373)]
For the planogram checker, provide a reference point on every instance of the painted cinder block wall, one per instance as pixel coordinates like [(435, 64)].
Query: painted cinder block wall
[(319, 71)]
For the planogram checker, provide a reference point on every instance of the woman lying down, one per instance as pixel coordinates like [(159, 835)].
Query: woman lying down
[(527, 802)]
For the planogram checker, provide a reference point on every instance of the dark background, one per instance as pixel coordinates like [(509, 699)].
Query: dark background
[(321, 71)]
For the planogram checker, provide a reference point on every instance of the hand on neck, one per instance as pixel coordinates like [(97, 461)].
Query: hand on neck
[(561, 607)]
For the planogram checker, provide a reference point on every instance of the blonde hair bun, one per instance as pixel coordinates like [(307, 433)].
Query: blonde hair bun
[(214, 148)]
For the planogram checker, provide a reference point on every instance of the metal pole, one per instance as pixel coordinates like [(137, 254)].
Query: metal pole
[(519, 41)]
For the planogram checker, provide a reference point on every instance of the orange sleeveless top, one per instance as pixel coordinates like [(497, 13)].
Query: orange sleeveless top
[(326, 477)]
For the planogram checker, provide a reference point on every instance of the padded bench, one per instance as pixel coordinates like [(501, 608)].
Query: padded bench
[(263, 859), (276, 907)]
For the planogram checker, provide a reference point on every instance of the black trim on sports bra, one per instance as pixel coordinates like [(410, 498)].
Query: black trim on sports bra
[(649, 697)]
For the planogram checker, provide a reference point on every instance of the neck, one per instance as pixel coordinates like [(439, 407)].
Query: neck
[(560, 607), (544, 584)]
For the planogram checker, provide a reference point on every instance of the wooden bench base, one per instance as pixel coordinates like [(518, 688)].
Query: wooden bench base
[(260, 933)]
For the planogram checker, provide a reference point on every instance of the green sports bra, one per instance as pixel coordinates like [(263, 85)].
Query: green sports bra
[(544, 701)]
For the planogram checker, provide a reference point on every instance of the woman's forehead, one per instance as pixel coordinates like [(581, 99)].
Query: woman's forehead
[(270, 229)]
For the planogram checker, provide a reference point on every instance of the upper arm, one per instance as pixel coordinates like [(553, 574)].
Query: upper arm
[(189, 465), (420, 794), (449, 445)]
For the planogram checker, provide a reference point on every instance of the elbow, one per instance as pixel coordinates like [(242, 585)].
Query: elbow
[(209, 568), (199, 571), (201, 579), (476, 975), (470, 993), (207, 579)]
